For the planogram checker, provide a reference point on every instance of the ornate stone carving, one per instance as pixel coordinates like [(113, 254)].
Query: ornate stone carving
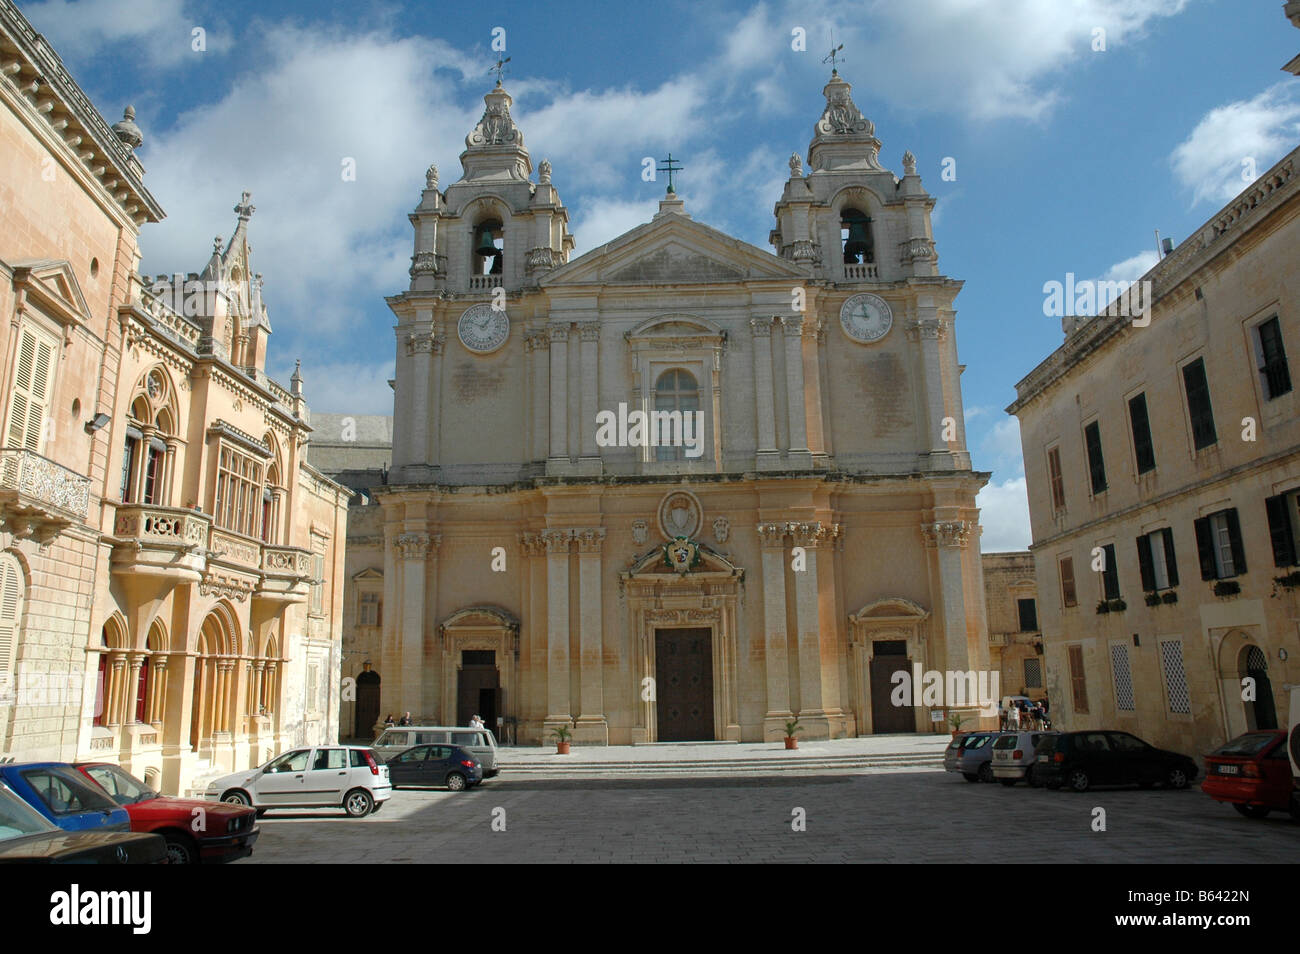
[(771, 534), (37, 480), (225, 587), (424, 263), (431, 177), (557, 541), (721, 529), (589, 539), (909, 163), (762, 327), (792, 325), (640, 532), (420, 342), (531, 544), (541, 259), (805, 250), (931, 328), (558, 331), (841, 117), (679, 514), (796, 166), (590, 330), (415, 546), (917, 250), (951, 533), (496, 127), (544, 171), (809, 534)]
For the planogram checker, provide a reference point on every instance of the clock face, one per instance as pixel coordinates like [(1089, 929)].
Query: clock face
[(483, 329), (866, 318)]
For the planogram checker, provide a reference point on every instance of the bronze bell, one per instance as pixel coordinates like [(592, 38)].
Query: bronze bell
[(857, 247)]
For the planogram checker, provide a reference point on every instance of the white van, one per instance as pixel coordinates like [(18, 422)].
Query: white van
[(480, 742)]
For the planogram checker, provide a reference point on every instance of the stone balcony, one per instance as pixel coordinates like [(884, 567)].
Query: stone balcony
[(39, 498), (160, 541), (286, 575)]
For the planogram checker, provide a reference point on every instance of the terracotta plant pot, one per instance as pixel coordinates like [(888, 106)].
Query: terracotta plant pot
[(791, 743), (561, 748)]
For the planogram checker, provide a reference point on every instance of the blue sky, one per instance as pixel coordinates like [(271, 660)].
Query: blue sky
[(1067, 158)]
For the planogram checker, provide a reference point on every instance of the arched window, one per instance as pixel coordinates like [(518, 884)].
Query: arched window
[(855, 237), (488, 253), (147, 457), (11, 616), (676, 395), (273, 493)]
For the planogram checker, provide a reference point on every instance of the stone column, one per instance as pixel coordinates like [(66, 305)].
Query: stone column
[(539, 345), (813, 334), (165, 492), (534, 676), (949, 538), (928, 330), (557, 624), (799, 455), (419, 347), (591, 724), (134, 663), (768, 455), (771, 538), (433, 422), (590, 333), (157, 689), (414, 551), (142, 457), (819, 708), (559, 335), (113, 693)]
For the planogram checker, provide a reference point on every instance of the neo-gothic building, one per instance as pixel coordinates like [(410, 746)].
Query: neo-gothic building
[(536, 556)]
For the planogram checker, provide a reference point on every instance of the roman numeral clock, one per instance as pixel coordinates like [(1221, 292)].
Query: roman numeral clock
[(482, 329), (866, 318)]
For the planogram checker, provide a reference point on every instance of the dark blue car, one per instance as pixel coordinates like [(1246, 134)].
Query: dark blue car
[(64, 796)]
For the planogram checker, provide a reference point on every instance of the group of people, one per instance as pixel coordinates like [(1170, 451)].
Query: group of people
[(1024, 714), (474, 723)]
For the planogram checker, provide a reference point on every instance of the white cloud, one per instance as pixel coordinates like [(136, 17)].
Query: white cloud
[(161, 30), (999, 447), (602, 219), (1131, 269), (1234, 142), (346, 387), (1004, 515)]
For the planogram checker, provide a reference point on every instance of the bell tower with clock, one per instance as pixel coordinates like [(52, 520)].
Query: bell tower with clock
[(472, 308)]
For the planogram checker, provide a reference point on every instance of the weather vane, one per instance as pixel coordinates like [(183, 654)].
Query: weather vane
[(500, 69), (669, 168), (831, 57)]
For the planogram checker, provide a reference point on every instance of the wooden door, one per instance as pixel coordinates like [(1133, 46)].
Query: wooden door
[(885, 716), (684, 684)]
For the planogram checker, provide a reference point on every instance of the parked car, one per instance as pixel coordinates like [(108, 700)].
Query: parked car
[(219, 833), (65, 796), (448, 765), (28, 837), (969, 755), (352, 777), (481, 743), (1251, 773), (1080, 760), (1013, 757)]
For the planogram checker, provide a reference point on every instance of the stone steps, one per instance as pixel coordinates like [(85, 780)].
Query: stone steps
[(562, 768)]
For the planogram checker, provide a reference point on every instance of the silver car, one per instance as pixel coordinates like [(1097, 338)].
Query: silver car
[(352, 777), (481, 743), (1013, 756)]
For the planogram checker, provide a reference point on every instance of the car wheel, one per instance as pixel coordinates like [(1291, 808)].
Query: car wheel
[(1177, 778), (1251, 811), (985, 774), (181, 850), (456, 782), (358, 803), (970, 776), (237, 797), (378, 805), (1079, 780), (1008, 782)]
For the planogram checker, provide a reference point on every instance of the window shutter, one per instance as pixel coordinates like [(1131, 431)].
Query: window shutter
[(1234, 540), (1110, 576), (1279, 531), (1171, 562), (1205, 548), (1144, 564), (11, 592), (31, 396)]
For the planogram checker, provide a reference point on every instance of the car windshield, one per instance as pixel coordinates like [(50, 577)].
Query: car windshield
[(17, 818), (67, 792), (1252, 743), (124, 788)]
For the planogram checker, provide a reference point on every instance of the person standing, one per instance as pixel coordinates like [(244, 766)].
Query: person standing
[(406, 719)]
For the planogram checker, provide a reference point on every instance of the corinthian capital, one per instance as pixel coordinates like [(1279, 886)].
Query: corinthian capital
[(415, 546), (557, 541), (771, 534), (590, 539), (949, 533), (808, 535)]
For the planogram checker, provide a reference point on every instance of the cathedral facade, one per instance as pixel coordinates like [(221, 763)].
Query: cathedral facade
[(678, 487)]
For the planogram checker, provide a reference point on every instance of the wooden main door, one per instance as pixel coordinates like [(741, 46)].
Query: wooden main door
[(889, 657), (684, 684)]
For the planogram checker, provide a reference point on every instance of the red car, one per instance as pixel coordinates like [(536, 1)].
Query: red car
[(1252, 773), (195, 829)]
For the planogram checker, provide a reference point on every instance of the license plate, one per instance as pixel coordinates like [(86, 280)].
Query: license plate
[(1002, 756), (1229, 770), (1042, 758)]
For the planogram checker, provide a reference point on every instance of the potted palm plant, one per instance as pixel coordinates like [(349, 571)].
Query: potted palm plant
[(955, 720), (791, 728), (562, 736)]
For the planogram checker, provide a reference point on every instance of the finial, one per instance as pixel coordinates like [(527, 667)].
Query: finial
[(909, 163), (544, 171), (216, 245), (127, 131), (431, 177), (796, 166), (669, 168), (295, 382), (832, 56), (500, 69), (245, 209)]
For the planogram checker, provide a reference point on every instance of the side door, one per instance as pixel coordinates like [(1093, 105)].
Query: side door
[(439, 763), (408, 767), (282, 782), (1095, 757), (328, 777)]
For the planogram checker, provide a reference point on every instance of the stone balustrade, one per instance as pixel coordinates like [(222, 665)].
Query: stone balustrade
[(150, 524), (35, 484)]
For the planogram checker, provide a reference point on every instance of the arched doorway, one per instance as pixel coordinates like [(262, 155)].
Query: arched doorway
[(368, 683), (214, 671), (1262, 712)]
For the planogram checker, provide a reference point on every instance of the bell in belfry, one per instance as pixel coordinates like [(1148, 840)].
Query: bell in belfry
[(485, 248), (857, 244)]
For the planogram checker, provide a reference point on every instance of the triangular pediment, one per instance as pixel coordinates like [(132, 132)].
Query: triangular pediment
[(54, 285), (673, 249)]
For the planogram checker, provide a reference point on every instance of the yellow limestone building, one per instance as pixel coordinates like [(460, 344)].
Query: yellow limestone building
[(534, 557)]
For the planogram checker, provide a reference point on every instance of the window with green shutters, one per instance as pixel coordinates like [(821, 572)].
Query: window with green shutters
[(1143, 449), (1198, 404), (1110, 574), (1282, 512), (1219, 546), (1096, 463), (1156, 561), (1274, 375)]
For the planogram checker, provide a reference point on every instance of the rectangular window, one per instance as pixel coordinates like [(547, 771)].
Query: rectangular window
[(1282, 512), (29, 402), (1028, 612), (1141, 424), (1033, 673), (1156, 560), (1123, 677), (312, 679), (1110, 574), (318, 576), (370, 614), (1054, 476), (239, 484), (1171, 660), (1068, 595), (1219, 546), (1198, 404), (1096, 463), (1078, 680), (128, 462), (1274, 375)]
